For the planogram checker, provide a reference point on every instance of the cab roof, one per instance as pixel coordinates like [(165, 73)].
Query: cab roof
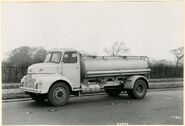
[(63, 49)]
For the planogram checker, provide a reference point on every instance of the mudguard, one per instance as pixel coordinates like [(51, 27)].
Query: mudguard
[(129, 83), (47, 81)]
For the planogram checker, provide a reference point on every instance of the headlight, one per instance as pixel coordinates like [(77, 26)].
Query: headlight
[(22, 80)]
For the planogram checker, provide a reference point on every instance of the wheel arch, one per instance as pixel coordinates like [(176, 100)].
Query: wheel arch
[(146, 81), (63, 81), (130, 81), (49, 80)]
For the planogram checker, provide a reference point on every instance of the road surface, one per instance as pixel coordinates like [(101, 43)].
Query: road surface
[(158, 107)]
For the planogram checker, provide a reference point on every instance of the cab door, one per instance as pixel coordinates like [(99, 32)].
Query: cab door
[(71, 67)]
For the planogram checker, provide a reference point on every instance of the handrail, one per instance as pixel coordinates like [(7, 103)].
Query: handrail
[(124, 57)]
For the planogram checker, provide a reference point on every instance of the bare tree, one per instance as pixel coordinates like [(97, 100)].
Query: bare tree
[(179, 55), (117, 49)]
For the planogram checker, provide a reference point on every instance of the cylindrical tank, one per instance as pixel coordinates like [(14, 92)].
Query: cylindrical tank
[(114, 63)]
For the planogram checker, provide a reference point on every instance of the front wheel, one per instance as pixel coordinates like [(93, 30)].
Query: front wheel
[(139, 90), (58, 94)]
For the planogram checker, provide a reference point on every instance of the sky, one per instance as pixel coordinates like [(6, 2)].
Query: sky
[(147, 28)]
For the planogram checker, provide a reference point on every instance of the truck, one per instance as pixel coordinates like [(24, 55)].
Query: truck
[(66, 72)]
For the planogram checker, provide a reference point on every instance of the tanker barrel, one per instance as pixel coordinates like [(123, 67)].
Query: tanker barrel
[(109, 64)]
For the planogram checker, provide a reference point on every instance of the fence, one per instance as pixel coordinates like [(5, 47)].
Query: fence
[(12, 74), (166, 71)]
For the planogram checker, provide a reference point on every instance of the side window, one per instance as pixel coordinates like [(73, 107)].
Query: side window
[(70, 57)]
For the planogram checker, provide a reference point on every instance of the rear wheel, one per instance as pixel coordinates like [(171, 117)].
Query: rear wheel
[(59, 94), (139, 90), (113, 92)]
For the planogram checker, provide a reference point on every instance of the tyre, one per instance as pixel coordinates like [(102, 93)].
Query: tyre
[(130, 94), (38, 97), (139, 90), (58, 94), (113, 92)]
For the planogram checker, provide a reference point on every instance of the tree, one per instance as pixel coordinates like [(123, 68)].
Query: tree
[(25, 56), (16, 62), (179, 55), (117, 49), (38, 54), (19, 56)]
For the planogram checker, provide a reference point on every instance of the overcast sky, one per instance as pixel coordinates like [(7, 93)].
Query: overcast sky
[(147, 28)]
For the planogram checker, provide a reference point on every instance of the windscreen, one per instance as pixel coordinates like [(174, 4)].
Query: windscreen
[(54, 57)]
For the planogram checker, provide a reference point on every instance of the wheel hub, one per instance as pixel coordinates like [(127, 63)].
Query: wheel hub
[(59, 93), (140, 89)]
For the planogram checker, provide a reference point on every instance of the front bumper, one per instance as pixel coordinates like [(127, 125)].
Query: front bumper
[(31, 90)]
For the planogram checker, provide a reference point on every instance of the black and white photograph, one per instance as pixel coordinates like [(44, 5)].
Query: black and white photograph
[(92, 62)]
